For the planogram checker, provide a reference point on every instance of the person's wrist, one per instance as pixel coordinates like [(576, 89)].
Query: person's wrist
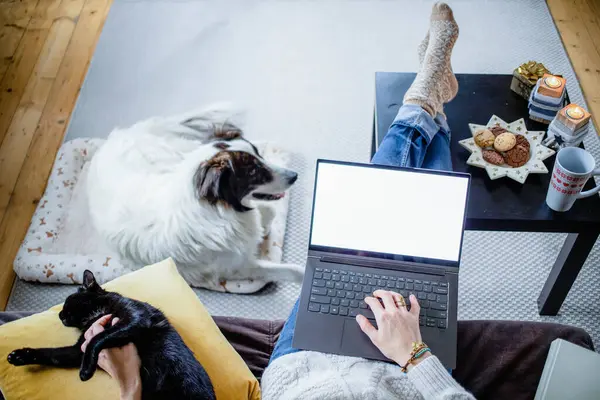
[(131, 388), (418, 361), (402, 359)]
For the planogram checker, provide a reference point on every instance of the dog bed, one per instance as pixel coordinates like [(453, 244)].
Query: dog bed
[(61, 242)]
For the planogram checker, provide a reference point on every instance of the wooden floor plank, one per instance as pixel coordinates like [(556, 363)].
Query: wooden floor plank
[(578, 25), (13, 149), (48, 138), (24, 59), (14, 17), (592, 13)]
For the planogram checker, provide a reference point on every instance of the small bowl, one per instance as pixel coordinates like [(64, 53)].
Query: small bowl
[(538, 152)]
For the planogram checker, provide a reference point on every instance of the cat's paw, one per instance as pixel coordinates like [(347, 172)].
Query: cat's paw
[(85, 373), (22, 357)]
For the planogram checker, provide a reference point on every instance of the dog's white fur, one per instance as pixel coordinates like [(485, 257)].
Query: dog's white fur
[(144, 204)]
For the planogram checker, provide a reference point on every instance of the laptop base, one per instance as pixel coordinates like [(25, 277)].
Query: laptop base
[(326, 330)]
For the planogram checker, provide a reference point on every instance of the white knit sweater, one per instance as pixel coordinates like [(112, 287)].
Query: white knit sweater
[(310, 375)]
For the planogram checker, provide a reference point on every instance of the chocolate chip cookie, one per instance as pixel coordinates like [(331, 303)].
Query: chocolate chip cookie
[(522, 140), (497, 130), (493, 157), (517, 156)]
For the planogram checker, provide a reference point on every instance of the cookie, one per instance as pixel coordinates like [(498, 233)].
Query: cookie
[(484, 138), (517, 156), (522, 140), (497, 130), (505, 141), (493, 157)]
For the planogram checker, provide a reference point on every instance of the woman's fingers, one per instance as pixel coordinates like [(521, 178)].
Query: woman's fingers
[(366, 327), (375, 306), (96, 328), (388, 299), (93, 331), (103, 320), (98, 325), (415, 308), (401, 302), (114, 321)]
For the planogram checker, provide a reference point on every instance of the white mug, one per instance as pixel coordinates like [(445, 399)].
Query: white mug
[(573, 167)]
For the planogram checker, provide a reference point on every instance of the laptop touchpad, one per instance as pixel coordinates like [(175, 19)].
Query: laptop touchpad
[(356, 343)]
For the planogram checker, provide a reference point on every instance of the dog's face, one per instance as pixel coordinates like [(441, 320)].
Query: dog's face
[(237, 173)]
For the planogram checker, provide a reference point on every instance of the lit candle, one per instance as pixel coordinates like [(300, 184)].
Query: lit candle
[(575, 112), (553, 82)]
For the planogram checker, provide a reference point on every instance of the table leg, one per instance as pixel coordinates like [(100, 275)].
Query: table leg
[(573, 254), (373, 138)]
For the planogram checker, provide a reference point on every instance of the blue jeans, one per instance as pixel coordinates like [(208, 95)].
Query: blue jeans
[(415, 140)]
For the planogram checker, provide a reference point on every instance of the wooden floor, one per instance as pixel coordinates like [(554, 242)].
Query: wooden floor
[(45, 49), (578, 22)]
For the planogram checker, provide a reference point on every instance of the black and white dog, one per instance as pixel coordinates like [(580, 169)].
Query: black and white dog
[(193, 189)]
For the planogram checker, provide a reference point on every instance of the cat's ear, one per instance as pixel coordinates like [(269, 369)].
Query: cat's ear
[(89, 281)]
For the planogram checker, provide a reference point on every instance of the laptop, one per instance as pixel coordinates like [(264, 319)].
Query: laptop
[(380, 227)]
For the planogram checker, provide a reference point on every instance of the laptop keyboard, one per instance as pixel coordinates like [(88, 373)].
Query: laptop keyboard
[(340, 292)]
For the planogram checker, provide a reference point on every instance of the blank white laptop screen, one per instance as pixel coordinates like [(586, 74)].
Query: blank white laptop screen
[(399, 212)]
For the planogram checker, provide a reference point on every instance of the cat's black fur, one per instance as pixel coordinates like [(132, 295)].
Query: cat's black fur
[(168, 369)]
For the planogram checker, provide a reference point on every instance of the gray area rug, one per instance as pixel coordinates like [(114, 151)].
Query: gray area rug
[(304, 71)]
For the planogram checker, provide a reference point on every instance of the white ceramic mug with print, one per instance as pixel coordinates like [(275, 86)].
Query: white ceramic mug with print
[(573, 167)]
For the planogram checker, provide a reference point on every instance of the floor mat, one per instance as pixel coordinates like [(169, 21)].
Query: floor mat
[(304, 70)]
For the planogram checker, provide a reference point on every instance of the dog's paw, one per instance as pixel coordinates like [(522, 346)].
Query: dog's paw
[(22, 357), (298, 273), (267, 215), (295, 273), (85, 373), (266, 234)]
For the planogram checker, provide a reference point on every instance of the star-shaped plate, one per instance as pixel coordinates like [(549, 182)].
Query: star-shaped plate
[(538, 152)]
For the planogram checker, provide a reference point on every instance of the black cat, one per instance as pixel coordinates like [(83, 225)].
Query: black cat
[(168, 370)]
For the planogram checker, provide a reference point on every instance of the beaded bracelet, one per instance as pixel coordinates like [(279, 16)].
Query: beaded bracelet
[(418, 350)]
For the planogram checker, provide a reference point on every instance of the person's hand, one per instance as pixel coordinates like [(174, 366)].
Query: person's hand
[(121, 363), (397, 328)]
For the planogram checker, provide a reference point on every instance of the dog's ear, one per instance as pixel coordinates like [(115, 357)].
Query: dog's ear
[(211, 130), (207, 180), (227, 131), (215, 182)]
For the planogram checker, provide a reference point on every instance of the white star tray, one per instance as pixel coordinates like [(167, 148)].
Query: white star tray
[(535, 165)]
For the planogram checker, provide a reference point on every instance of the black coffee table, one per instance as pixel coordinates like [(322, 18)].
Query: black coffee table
[(502, 205)]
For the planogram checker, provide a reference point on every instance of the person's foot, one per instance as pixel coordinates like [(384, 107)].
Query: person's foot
[(435, 83), (422, 49), (449, 85), (442, 15)]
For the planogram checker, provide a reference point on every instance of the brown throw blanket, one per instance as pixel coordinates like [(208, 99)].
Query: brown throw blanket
[(497, 359)]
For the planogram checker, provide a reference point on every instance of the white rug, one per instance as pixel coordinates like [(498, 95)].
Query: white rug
[(304, 70)]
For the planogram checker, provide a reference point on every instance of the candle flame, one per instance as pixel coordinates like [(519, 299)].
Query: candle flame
[(552, 82), (575, 112)]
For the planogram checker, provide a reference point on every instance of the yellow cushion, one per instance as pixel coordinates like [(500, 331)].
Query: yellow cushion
[(160, 285)]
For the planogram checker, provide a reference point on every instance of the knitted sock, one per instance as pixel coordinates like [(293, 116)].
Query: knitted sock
[(449, 85), (429, 89), (422, 49)]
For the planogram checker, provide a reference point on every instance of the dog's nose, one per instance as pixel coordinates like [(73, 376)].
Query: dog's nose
[(293, 178)]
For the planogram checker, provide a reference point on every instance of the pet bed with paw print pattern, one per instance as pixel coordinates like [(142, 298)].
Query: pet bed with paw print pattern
[(61, 242)]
